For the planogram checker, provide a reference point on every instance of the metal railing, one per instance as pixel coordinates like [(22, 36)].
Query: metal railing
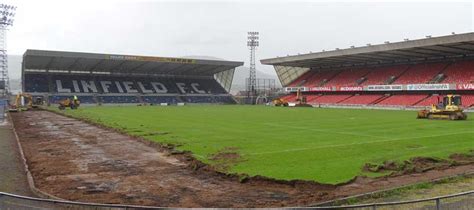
[(460, 201), (11, 201)]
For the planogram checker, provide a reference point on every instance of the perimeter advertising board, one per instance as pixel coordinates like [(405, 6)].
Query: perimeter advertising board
[(385, 88), (409, 87), (465, 87), (324, 89), (295, 89), (428, 87), (352, 88)]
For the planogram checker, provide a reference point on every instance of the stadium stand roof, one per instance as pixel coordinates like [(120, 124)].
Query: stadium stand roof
[(114, 63), (431, 48)]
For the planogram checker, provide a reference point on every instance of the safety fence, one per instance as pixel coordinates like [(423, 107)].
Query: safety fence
[(460, 201), (18, 202)]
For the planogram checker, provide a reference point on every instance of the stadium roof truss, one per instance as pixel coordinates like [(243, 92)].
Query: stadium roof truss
[(432, 49), (93, 63)]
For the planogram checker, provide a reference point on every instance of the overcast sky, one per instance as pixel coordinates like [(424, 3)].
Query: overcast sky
[(219, 29)]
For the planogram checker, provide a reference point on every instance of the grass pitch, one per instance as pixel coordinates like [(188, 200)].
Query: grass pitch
[(324, 145)]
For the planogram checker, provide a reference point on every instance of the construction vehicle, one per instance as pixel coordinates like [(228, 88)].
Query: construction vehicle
[(73, 104), (280, 102), (447, 109), (301, 100), (23, 102)]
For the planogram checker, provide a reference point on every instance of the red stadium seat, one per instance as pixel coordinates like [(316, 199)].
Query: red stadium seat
[(467, 100), (380, 75), (402, 100), (460, 72), (361, 99), (330, 99), (318, 77), (420, 73), (310, 98), (347, 77), (299, 81), (430, 100)]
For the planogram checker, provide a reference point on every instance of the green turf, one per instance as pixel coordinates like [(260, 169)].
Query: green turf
[(325, 145)]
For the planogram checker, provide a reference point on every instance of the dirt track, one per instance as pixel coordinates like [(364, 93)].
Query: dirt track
[(78, 161)]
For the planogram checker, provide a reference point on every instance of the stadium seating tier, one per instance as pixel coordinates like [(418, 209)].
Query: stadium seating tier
[(120, 89), (460, 72), (420, 73)]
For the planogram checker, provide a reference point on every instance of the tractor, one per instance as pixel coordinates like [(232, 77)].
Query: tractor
[(447, 109), (73, 104), (25, 102)]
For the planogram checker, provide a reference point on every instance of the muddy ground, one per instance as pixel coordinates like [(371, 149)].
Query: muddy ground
[(78, 161)]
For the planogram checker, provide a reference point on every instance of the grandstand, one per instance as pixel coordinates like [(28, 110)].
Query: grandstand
[(403, 74), (126, 79)]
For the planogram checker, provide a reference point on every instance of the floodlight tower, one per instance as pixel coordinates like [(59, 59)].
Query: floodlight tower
[(252, 43), (7, 12)]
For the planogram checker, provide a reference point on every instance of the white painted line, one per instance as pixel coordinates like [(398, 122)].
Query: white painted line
[(359, 143), (325, 131)]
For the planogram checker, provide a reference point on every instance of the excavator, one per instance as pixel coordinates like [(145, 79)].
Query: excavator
[(447, 109), (301, 100), (24, 102)]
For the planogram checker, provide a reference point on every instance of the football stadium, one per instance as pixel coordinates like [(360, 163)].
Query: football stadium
[(126, 119)]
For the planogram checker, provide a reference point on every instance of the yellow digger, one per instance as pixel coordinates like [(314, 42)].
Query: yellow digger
[(23, 102), (447, 109), (301, 100)]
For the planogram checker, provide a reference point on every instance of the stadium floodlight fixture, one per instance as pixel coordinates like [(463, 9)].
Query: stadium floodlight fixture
[(7, 13), (386, 42), (428, 36), (252, 39), (453, 33), (252, 43), (406, 39)]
